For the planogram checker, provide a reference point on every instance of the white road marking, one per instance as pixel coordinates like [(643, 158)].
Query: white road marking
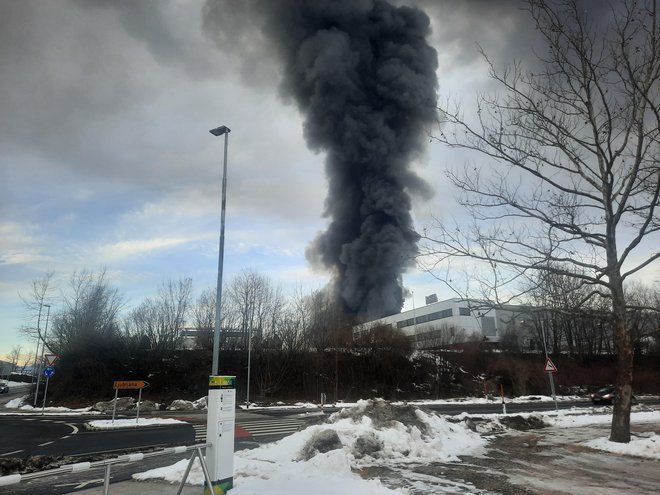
[(83, 484), (10, 453), (44, 444)]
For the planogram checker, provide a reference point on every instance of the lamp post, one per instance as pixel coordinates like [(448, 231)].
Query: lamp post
[(36, 351), (247, 393), (220, 131), (221, 416), (43, 348)]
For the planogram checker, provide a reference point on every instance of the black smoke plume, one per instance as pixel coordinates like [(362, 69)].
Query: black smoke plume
[(364, 78)]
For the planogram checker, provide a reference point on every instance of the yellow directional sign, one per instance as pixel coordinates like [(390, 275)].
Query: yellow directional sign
[(222, 382), (128, 384)]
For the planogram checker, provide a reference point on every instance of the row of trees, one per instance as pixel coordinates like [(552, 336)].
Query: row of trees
[(91, 329), (89, 309), (579, 326)]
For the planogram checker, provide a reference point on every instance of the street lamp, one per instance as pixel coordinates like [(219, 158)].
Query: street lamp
[(221, 414), (219, 131), (43, 349)]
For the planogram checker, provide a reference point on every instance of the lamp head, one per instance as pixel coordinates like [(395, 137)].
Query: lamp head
[(219, 131)]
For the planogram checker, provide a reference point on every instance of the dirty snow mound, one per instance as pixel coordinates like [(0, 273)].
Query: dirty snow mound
[(371, 433)]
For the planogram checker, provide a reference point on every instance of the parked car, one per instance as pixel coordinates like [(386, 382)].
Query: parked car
[(606, 395), (4, 388)]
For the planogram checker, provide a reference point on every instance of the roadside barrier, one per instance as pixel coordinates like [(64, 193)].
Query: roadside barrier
[(78, 467)]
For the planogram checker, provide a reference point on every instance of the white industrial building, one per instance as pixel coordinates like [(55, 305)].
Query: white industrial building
[(441, 323)]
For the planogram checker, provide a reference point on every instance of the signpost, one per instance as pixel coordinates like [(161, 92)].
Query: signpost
[(48, 372), (128, 385), (550, 368)]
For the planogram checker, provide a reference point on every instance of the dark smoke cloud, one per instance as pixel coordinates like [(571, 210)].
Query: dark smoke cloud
[(363, 75)]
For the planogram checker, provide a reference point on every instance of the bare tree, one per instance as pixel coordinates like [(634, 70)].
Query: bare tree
[(89, 314), (15, 356), (203, 316), (329, 326), (161, 320), (256, 304), (575, 177), (39, 297)]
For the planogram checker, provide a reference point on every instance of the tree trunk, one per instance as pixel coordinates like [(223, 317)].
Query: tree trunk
[(624, 373)]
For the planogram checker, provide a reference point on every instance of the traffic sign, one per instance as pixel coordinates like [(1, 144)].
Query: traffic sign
[(550, 366), (49, 371), (130, 384), (50, 359)]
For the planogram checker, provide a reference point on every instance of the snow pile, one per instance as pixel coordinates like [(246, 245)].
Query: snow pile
[(577, 417), (644, 446), (322, 459), (15, 403), (107, 424), (19, 403)]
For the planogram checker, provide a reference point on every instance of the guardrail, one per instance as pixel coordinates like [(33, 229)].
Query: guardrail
[(79, 467)]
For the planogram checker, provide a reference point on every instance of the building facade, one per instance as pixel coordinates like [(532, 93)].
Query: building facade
[(452, 321)]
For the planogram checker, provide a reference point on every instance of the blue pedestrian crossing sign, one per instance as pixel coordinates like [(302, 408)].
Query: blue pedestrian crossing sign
[(49, 371)]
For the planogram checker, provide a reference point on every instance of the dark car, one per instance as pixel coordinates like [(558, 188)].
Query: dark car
[(606, 395), (4, 388)]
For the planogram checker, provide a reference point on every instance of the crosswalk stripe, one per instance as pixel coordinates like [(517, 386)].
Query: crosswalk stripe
[(258, 428)]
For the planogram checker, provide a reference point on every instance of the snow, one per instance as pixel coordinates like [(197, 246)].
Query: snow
[(429, 402), (644, 446), (19, 404), (107, 424), (277, 468)]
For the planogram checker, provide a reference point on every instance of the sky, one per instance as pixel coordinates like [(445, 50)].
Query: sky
[(107, 162)]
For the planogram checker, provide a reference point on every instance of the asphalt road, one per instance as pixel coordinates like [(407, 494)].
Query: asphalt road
[(66, 440)]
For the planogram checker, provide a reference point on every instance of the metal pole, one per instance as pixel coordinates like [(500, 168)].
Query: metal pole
[(137, 417), (36, 355), (185, 475), (43, 404), (114, 405), (106, 480), (552, 380), (43, 349), (247, 395), (205, 469), (221, 255)]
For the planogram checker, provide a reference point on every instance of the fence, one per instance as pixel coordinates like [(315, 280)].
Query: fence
[(79, 467)]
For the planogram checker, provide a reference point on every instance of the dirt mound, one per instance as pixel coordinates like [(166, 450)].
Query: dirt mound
[(322, 441), (521, 423), (383, 414)]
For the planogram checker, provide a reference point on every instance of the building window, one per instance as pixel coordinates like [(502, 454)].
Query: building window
[(464, 311), (488, 326)]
